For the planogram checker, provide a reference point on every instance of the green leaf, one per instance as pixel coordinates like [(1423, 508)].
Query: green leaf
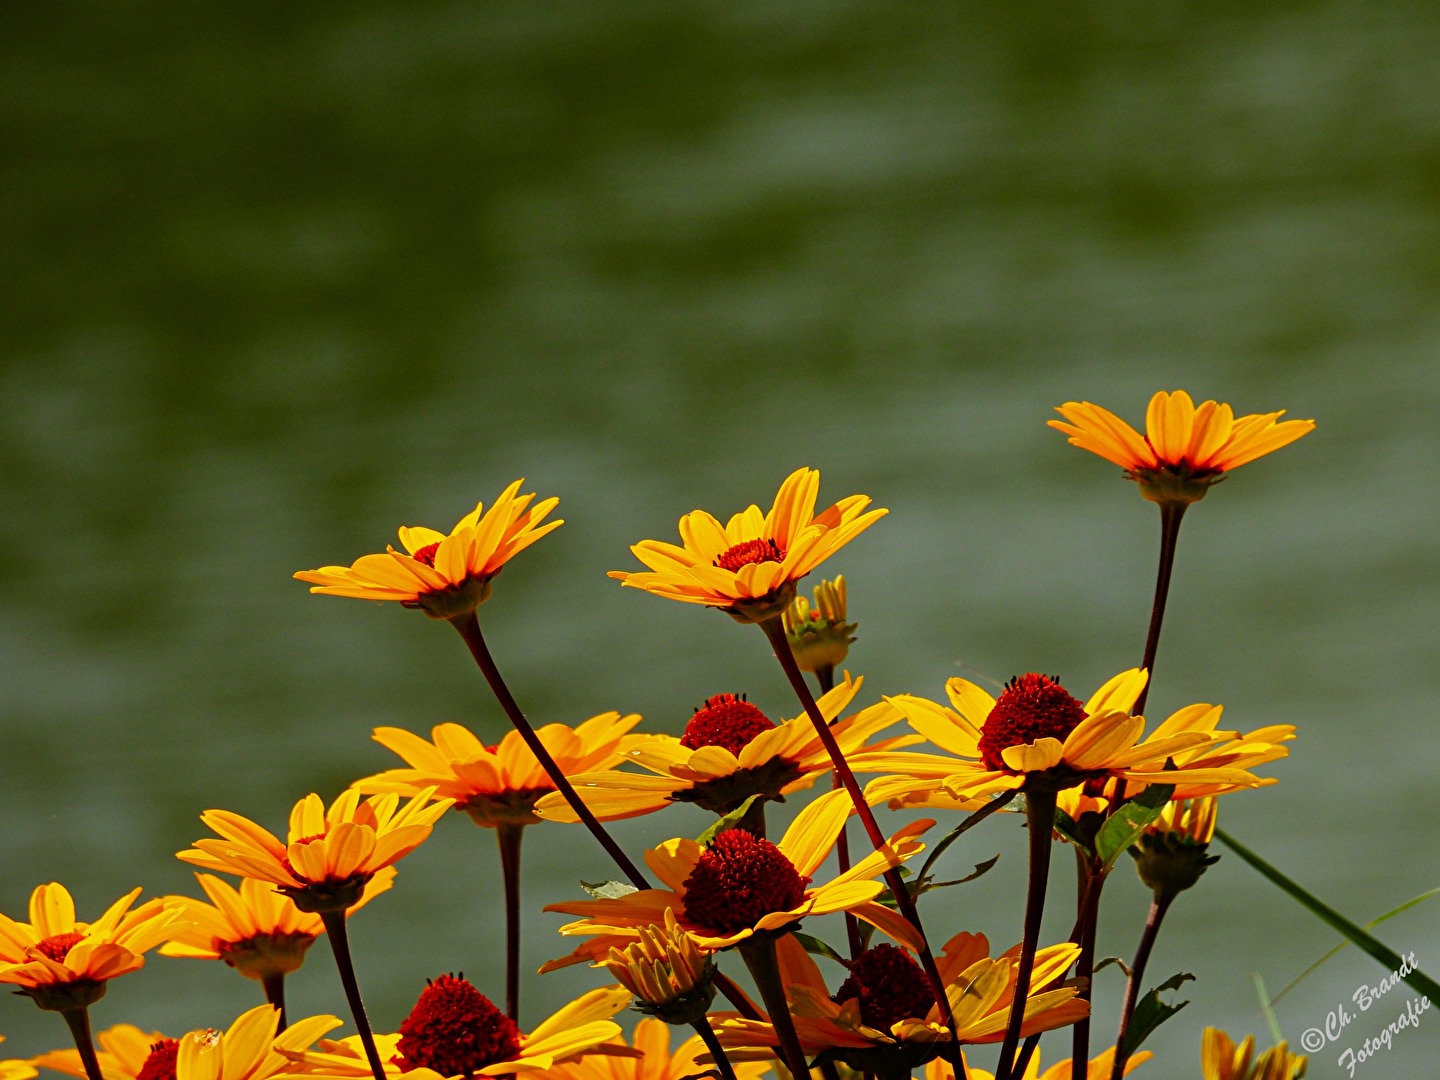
[(1124, 826), (1152, 1012), (1387, 957), (980, 868), (729, 821), (815, 947), (1117, 961), (1069, 828), (1276, 1035), (608, 890), (964, 827)]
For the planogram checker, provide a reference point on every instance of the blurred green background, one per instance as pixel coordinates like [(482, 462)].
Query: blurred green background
[(279, 279)]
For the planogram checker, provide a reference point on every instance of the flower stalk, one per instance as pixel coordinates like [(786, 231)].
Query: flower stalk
[(78, 1020), (273, 983), (758, 952), (1159, 905), (334, 920), (509, 836), (1040, 820), (1171, 514)]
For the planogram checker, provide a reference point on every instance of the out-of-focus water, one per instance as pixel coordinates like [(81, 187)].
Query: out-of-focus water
[(278, 280)]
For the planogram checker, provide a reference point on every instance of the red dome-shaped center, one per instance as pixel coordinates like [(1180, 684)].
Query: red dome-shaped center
[(725, 720), (1032, 707), (740, 879)]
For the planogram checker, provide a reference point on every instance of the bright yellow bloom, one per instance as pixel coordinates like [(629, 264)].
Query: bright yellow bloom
[(656, 1062), (492, 1046), (874, 1021), (124, 1052), (330, 856), (820, 637), (15, 1069), (255, 930), (1036, 735), (250, 1049), (748, 566), (1185, 449), (1098, 1068), (741, 886), (498, 784), (444, 576), (1221, 1059), (666, 971), (740, 754), (53, 953)]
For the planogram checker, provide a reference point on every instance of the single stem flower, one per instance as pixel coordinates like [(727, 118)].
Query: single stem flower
[(443, 575)]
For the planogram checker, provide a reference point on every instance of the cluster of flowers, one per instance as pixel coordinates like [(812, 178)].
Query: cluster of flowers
[(1086, 773)]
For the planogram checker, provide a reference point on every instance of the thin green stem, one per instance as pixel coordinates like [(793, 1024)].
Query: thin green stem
[(79, 1022), (469, 627), (1170, 515), (508, 836), (274, 984), (1040, 819), (712, 1043), (758, 952), (1158, 906), (340, 944)]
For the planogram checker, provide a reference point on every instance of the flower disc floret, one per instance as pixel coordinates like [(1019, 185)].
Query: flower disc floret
[(160, 1062), (1032, 707), (888, 986), (739, 880), (725, 720), (455, 1030)]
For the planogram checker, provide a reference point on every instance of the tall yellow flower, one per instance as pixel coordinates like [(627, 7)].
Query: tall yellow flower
[(653, 1060), (330, 855), (444, 576), (730, 750), (126, 1053), (1221, 1059), (498, 784), (1185, 448), (749, 565), (62, 963), (250, 1049)]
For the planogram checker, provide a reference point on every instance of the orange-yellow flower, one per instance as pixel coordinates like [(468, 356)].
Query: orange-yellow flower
[(124, 1053), (730, 751), (655, 1061), (15, 1069), (1221, 1059), (749, 565), (53, 958), (498, 785), (442, 575), (741, 886), (256, 930), (1098, 1068), (251, 1049), (1185, 448), (330, 855)]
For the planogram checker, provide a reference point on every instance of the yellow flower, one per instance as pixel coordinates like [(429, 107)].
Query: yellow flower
[(666, 971), (250, 1049), (1185, 449), (1098, 1068), (330, 855), (256, 930), (497, 784), (748, 566), (820, 637), (62, 963), (656, 1062), (1221, 1059), (124, 1053), (740, 886), (1037, 736), (884, 1017), (444, 576), (15, 1069), (454, 1030), (730, 751)]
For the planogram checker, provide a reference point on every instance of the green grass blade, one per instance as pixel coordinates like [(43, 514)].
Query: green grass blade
[(1276, 1036)]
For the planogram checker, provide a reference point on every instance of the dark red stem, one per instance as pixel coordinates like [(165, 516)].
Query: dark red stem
[(79, 1022), (340, 944), (1170, 515), (509, 836), (1040, 820), (1158, 907)]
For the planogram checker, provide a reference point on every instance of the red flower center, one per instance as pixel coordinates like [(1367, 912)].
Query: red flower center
[(751, 551), (455, 1030), (739, 879), (160, 1065), (1032, 707), (725, 720), (58, 946), (427, 554), (889, 987)]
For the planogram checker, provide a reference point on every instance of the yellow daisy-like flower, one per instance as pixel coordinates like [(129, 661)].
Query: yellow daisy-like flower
[(730, 751), (256, 930), (1185, 448), (652, 1041), (1037, 736), (330, 855), (15, 1069), (1221, 1059), (251, 1049), (748, 566), (741, 886), (498, 785), (444, 576), (62, 963), (454, 1030), (884, 1017), (124, 1053), (1098, 1068)]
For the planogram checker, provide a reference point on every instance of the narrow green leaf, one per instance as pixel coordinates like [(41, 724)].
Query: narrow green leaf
[(1276, 1035), (1387, 957), (964, 827), (608, 890), (1101, 965), (1069, 828), (1152, 1012), (729, 821), (980, 868), (1124, 826), (816, 947)]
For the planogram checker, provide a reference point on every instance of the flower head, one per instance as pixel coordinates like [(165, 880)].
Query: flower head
[(126, 1053), (749, 565), (256, 930), (330, 855), (730, 750), (497, 784), (444, 576), (1098, 1068), (670, 976), (653, 1060), (250, 1049), (1221, 1059), (740, 886), (1185, 448), (819, 636), (64, 964)]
